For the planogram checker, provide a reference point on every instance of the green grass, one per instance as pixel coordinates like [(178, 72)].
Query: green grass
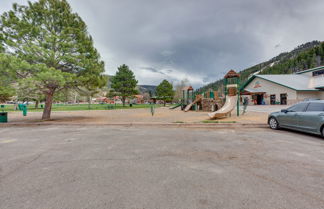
[(78, 107), (178, 121), (217, 121)]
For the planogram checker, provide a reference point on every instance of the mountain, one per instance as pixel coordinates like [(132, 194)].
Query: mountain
[(141, 88), (147, 89), (305, 56)]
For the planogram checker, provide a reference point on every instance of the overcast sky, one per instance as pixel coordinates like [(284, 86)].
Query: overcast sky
[(197, 40)]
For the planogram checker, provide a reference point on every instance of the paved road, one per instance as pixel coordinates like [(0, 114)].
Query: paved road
[(157, 168)]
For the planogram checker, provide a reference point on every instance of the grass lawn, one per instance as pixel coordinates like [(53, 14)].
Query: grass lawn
[(75, 107)]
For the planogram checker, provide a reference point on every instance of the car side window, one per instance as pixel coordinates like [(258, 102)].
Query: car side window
[(315, 107), (298, 107)]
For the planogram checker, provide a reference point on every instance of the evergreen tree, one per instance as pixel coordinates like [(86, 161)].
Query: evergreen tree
[(53, 46), (28, 91), (7, 77), (124, 83), (165, 91)]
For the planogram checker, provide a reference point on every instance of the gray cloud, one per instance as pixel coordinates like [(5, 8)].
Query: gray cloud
[(151, 69), (197, 40)]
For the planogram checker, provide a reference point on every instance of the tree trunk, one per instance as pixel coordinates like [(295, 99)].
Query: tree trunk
[(16, 105), (124, 101), (36, 104), (48, 105), (89, 102)]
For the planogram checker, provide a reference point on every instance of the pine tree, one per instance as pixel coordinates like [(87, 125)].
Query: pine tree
[(165, 91), (53, 45), (124, 83)]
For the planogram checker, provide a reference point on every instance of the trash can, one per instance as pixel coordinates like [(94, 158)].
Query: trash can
[(131, 105), (3, 117), (24, 109)]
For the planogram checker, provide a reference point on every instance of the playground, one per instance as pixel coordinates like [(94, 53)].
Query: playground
[(219, 107), (206, 107)]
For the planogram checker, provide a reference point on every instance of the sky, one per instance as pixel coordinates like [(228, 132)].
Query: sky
[(195, 40)]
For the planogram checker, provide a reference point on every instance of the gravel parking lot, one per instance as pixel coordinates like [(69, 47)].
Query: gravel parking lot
[(178, 168)]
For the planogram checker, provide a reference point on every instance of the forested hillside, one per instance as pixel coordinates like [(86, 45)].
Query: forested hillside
[(303, 57), (147, 89)]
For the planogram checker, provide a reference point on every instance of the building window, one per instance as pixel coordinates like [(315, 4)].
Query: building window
[(283, 99), (319, 72), (273, 99)]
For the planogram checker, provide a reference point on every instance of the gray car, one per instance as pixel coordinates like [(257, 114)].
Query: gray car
[(306, 116)]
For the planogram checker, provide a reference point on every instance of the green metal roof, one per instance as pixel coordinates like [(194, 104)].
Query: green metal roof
[(291, 81), (311, 70)]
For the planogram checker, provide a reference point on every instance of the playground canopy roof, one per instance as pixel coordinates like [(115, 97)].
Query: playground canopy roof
[(232, 74), (187, 88)]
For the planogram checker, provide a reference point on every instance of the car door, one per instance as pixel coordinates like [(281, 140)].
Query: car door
[(312, 118), (287, 119), (290, 118)]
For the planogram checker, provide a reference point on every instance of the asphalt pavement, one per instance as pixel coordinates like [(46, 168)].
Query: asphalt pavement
[(78, 167)]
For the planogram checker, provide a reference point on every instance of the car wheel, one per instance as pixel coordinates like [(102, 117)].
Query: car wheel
[(322, 132), (273, 123)]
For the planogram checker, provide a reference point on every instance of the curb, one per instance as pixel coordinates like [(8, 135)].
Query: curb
[(168, 125)]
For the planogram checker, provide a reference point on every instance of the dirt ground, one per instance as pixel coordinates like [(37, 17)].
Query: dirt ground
[(162, 115)]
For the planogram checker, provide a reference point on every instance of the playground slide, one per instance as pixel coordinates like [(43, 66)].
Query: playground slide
[(188, 107), (176, 106), (230, 104)]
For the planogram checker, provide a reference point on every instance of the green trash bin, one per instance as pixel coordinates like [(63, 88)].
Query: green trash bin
[(3, 117), (24, 109)]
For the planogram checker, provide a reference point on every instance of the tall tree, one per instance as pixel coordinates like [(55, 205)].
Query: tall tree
[(7, 77), (165, 91), (111, 94), (27, 91), (88, 93), (6, 91), (53, 41), (124, 83)]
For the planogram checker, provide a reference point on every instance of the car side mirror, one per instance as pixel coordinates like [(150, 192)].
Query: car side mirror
[(284, 110)]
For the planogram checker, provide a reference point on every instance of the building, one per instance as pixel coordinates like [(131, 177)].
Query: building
[(285, 89)]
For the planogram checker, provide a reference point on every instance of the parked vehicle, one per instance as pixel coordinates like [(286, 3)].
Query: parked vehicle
[(307, 116)]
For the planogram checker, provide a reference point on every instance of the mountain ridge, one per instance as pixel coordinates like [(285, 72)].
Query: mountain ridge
[(305, 56)]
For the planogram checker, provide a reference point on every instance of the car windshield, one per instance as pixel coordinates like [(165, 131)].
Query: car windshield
[(298, 107)]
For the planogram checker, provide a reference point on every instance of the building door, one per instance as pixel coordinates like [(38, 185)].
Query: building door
[(260, 99), (273, 99), (283, 99)]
